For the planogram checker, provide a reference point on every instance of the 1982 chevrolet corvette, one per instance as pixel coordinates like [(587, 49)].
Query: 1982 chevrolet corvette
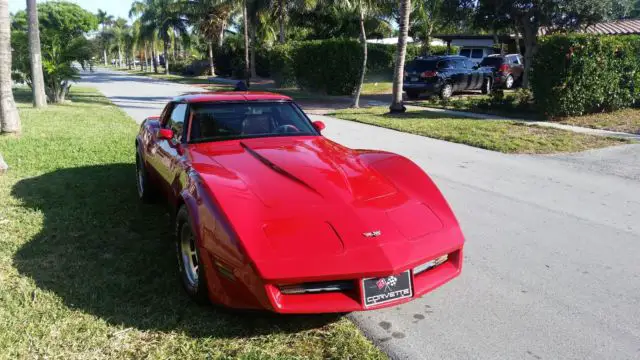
[(269, 214)]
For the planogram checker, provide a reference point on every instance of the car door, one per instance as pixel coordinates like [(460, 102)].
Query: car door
[(461, 78), (170, 151), (475, 77)]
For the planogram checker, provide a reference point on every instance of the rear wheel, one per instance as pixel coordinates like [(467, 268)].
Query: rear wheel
[(508, 82), (145, 189), (446, 91), (486, 86), (413, 95), (190, 267)]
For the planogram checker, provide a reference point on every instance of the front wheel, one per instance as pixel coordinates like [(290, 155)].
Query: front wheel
[(486, 86), (190, 266), (446, 91)]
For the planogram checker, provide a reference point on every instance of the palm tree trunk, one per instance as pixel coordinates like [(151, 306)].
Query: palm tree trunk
[(166, 57), (143, 61), (9, 117), (119, 56), (105, 56), (213, 70), (281, 20), (3, 165), (253, 51), (245, 23), (154, 60), (363, 39), (221, 37), (37, 77), (517, 39), (401, 53)]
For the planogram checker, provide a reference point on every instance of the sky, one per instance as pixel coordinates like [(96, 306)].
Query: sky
[(117, 8)]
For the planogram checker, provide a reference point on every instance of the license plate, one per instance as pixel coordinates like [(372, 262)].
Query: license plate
[(382, 290), (414, 79)]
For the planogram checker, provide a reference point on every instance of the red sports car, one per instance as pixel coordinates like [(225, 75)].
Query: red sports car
[(269, 214)]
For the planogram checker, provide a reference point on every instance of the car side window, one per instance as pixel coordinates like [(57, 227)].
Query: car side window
[(176, 121)]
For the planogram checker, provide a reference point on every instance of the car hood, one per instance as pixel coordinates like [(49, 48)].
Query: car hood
[(300, 197)]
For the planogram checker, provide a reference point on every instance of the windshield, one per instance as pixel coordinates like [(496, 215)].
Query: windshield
[(226, 121), (465, 53), (491, 61)]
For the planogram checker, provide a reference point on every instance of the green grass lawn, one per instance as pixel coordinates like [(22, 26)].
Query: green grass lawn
[(503, 136), (625, 120), (87, 272)]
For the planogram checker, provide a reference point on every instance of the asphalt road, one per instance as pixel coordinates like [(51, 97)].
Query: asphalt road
[(552, 259)]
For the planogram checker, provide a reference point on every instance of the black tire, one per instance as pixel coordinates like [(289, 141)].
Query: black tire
[(486, 86), (195, 288), (509, 82), (144, 186), (413, 95), (446, 91)]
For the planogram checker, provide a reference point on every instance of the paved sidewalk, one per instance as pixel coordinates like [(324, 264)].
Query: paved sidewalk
[(577, 129)]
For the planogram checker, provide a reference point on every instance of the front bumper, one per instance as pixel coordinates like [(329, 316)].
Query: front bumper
[(352, 300)]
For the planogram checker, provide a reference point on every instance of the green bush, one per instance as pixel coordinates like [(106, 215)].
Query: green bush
[(581, 74), (330, 66), (281, 65)]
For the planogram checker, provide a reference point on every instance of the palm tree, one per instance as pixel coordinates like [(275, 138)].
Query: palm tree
[(401, 52), (283, 7), (104, 20), (210, 18), (366, 9), (245, 25), (37, 77), (9, 117), (120, 29), (165, 17)]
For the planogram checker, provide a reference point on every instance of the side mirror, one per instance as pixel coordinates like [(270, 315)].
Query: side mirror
[(319, 125), (166, 134)]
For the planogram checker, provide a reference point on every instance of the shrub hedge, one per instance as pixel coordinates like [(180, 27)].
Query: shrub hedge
[(581, 74), (329, 66)]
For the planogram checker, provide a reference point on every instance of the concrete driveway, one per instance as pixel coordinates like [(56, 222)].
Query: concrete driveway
[(552, 259)]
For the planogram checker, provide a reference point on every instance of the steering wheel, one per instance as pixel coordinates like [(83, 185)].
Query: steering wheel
[(287, 129)]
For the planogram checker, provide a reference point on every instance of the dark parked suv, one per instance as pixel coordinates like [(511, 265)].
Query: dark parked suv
[(444, 75), (507, 69)]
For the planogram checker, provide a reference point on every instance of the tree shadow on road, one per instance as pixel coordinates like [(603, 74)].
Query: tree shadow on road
[(103, 252)]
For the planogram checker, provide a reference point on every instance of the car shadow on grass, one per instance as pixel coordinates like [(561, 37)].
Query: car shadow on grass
[(103, 252)]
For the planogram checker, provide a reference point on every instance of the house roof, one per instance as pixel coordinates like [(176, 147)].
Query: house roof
[(617, 27)]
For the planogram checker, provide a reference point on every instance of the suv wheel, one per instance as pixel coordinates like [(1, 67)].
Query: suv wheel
[(508, 82), (486, 86), (446, 91)]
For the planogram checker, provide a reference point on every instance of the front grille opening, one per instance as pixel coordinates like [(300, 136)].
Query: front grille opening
[(317, 287), (429, 265)]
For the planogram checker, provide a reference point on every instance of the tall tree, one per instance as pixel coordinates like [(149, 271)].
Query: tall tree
[(9, 117), (365, 9), (209, 18), (401, 52), (104, 20), (37, 77), (165, 17), (245, 25), (282, 8), (532, 15)]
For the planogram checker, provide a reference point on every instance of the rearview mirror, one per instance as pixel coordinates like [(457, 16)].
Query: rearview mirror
[(319, 125), (166, 134)]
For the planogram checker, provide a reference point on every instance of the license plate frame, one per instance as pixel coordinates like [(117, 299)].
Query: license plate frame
[(381, 290)]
